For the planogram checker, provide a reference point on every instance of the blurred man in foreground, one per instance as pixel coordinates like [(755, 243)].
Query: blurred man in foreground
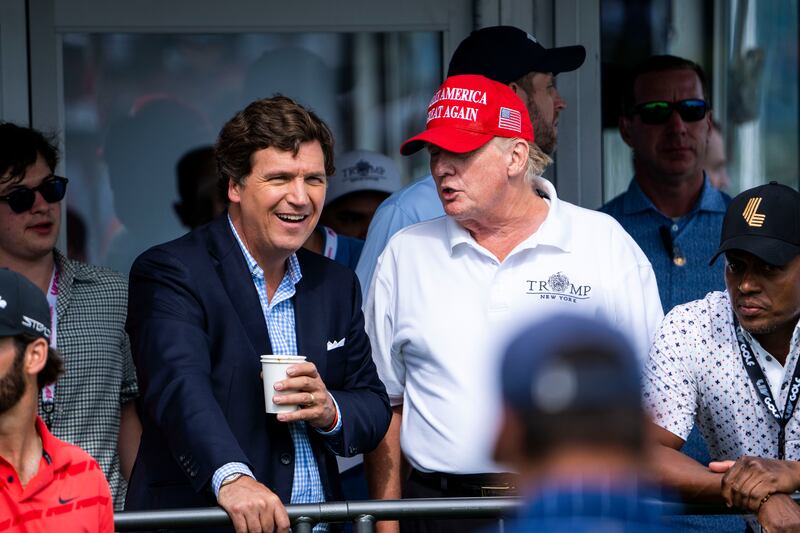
[(573, 426)]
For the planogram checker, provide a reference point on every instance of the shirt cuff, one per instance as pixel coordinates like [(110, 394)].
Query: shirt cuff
[(338, 427), (226, 470)]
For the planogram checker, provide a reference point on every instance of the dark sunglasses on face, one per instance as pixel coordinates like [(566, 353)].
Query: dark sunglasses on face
[(658, 112), (52, 190)]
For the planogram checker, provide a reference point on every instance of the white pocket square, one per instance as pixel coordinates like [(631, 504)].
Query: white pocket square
[(332, 345)]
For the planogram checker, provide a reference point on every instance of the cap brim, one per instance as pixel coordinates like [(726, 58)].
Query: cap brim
[(451, 139), (7, 330), (773, 251), (563, 59)]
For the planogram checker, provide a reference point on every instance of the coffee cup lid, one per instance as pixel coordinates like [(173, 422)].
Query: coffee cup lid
[(282, 358)]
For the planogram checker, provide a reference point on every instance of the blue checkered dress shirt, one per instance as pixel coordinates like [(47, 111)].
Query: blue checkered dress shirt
[(279, 314)]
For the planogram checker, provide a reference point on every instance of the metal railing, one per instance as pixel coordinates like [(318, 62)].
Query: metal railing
[(364, 514)]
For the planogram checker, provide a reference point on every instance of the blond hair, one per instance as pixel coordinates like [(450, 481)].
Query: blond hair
[(537, 162)]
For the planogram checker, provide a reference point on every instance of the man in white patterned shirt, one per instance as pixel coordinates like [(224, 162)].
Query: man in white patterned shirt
[(728, 363)]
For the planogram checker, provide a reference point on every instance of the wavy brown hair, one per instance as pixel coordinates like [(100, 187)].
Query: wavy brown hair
[(277, 122)]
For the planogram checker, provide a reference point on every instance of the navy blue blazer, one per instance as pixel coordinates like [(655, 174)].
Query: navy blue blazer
[(197, 330)]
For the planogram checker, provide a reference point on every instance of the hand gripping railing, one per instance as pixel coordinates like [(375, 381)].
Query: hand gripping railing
[(364, 514)]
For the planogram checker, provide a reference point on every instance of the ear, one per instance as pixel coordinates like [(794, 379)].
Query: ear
[(519, 91), (234, 191), (509, 447), (518, 157), (625, 124), (35, 357), (710, 125)]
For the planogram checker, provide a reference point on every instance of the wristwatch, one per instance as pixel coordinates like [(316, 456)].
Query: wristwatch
[(230, 478)]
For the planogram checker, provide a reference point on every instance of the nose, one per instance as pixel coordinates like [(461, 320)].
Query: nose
[(748, 283), (440, 165), (297, 194), (675, 122), (558, 102), (39, 203)]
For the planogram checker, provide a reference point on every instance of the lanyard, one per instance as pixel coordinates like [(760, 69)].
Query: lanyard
[(331, 243), (762, 388), (49, 391)]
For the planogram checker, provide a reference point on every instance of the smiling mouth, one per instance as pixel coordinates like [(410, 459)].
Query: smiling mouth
[(291, 218)]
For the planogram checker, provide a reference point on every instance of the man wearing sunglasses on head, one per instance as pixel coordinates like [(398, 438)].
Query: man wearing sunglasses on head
[(671, 209), (91, 405)]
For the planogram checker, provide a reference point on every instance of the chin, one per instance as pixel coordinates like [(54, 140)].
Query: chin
[(758, 325)]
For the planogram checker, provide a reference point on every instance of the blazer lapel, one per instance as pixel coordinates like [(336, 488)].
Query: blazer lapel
[(232, 271)]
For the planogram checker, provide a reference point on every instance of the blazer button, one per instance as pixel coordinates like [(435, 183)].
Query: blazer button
[(286, 458)]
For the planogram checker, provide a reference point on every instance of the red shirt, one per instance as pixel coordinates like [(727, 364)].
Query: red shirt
[(68, 493)]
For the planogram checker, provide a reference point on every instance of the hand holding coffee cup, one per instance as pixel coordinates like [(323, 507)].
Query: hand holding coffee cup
[(273, 370), (304, 388)]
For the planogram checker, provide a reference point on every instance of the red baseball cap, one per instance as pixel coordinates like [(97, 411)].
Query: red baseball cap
[(467, 112)]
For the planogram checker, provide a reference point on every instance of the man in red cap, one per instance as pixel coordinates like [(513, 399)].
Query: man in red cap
[(446, 289), (501, 53)]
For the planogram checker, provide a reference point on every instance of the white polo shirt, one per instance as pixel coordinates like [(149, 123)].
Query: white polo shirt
[(440, 306)]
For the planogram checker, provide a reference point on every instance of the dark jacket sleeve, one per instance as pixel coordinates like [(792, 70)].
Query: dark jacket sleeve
[(171, 351)]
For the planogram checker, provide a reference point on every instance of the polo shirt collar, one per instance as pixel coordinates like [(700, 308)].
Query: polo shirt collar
[(635, 201), (51, 446), (554, 231), (711, 199)]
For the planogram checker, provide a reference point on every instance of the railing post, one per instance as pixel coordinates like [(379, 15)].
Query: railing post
[(303, 524), (364, 524)]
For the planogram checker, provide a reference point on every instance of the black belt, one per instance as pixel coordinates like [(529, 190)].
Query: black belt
[(465, 485)]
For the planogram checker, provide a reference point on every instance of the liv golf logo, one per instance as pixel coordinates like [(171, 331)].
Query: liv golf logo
[(558, 287)]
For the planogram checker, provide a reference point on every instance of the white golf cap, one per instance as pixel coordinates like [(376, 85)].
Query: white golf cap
[(362, 170)]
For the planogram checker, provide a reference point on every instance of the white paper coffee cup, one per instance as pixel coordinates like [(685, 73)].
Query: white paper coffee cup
[(273, 369)]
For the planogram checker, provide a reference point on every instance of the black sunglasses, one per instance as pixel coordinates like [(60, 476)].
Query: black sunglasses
[(658, 112), (52, 190)]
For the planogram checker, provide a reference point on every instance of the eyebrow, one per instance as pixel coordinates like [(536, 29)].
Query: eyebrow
[(12, 185), (287, 174)]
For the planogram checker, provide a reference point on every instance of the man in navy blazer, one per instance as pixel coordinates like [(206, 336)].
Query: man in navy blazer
[(204, 307)]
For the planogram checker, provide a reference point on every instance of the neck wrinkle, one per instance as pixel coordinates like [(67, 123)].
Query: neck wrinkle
[(500, 237)]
